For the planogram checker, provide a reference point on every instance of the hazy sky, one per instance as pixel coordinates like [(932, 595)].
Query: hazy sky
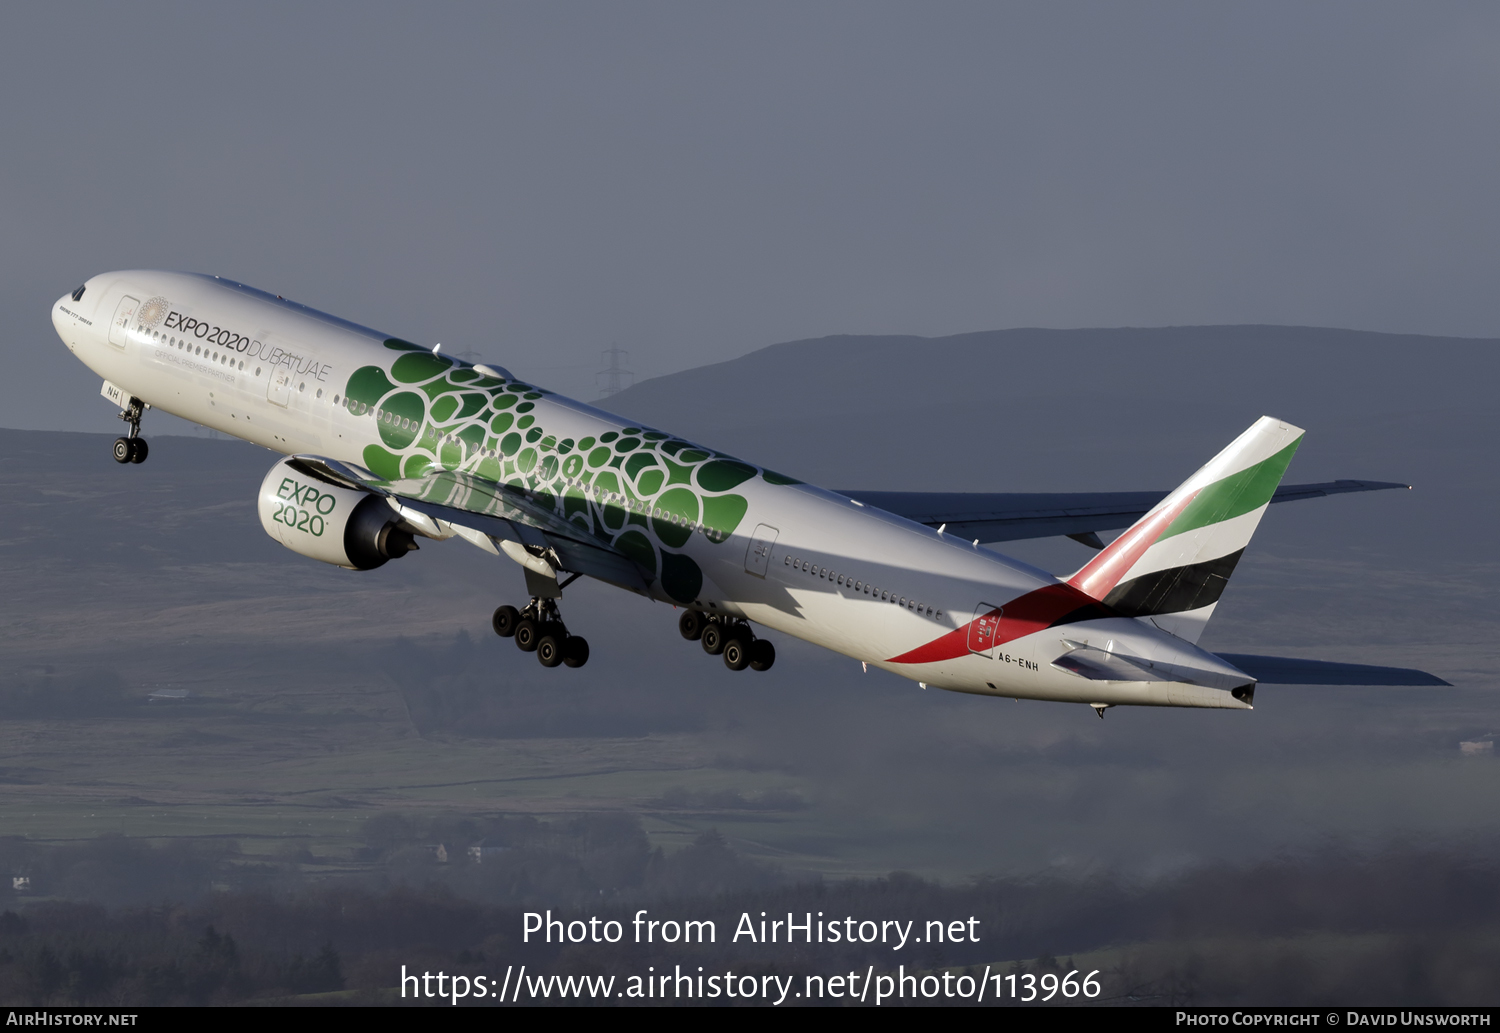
[(693, 181)]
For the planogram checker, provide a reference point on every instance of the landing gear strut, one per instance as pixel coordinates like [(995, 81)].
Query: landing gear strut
[(730, 638), (539, 629), (132, 448)]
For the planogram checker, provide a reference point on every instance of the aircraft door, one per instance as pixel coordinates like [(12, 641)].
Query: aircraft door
[(758, 555), (279, 389), (119, 327), (983, 630)]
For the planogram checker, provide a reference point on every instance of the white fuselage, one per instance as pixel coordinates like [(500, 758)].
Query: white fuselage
[(857, 580)]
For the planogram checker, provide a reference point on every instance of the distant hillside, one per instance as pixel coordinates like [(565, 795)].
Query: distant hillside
[(1059, 409)]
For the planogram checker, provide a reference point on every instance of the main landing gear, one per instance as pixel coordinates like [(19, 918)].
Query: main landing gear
[(133, 448), (539, 629), (730, 638)]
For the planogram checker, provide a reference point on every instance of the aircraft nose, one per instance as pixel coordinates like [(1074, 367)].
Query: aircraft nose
[(59, 315), (67, 314)]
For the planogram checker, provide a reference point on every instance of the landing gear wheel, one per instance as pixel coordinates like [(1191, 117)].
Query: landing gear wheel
[(762, 655), (505, 620), (527, 634), (691, 625), (122, 450), (549, 651), (713, 639), (736, 654), (576, 651), (139, 450)]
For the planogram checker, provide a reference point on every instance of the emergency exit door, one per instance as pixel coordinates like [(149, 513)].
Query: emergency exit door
[(758, 555), (119, 327), (984, 630)]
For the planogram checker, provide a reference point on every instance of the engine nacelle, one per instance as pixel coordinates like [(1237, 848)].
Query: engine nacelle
[(343, 526)]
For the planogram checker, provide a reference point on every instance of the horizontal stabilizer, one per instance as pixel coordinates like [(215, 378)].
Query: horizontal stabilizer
[(1103, 665), (1286, 670)]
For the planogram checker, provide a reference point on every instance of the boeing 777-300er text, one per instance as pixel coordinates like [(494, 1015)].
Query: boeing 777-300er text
[(387, 442)]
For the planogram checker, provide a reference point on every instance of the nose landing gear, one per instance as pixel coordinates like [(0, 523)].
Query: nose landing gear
[(732, 639), (132, 448), (539, 629)]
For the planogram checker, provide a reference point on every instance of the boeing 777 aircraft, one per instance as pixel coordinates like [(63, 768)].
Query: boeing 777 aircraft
[(387, 442)]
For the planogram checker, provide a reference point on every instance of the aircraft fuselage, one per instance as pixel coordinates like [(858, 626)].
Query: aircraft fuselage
[(715, 533)]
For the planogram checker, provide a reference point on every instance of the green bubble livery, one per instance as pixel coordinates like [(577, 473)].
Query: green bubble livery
[(644, 492)]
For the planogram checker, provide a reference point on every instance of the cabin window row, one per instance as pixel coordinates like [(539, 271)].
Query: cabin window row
[(184, 345), (861, 587)]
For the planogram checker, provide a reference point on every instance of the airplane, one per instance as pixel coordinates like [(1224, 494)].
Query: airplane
[(385, 442)]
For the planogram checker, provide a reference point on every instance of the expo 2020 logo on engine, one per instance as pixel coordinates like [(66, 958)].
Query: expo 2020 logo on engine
[(153, 311)]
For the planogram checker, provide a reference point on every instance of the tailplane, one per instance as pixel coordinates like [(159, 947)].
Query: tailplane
[(1173, 563)]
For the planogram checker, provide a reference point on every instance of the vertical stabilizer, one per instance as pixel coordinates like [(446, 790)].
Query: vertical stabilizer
[(1172, 565)]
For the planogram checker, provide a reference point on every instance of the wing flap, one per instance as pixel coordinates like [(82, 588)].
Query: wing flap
[(1010, 516)]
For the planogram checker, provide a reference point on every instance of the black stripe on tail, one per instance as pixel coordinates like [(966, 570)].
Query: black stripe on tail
[(1175, 589)]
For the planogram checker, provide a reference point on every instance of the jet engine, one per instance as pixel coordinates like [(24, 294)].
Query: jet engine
[(343, 526)]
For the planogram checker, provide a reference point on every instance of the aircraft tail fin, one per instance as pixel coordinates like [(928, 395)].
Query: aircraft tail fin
[(1172, 565)]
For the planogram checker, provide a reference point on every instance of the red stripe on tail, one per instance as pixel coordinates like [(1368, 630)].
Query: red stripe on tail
[(1100, 575)]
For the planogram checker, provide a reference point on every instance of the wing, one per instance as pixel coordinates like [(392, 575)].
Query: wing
[(485, 513), (1285, 670), (1008, 516)]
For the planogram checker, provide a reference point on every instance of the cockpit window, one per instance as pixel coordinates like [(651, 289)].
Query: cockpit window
[(78, 294)]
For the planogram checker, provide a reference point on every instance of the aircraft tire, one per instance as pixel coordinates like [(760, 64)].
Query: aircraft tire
[(575, 651), (527, 634), (736, 653), (762, 655), (139, 450), (691, 625), (713, 639), (505, 620), (123, 450), (549, 651)]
